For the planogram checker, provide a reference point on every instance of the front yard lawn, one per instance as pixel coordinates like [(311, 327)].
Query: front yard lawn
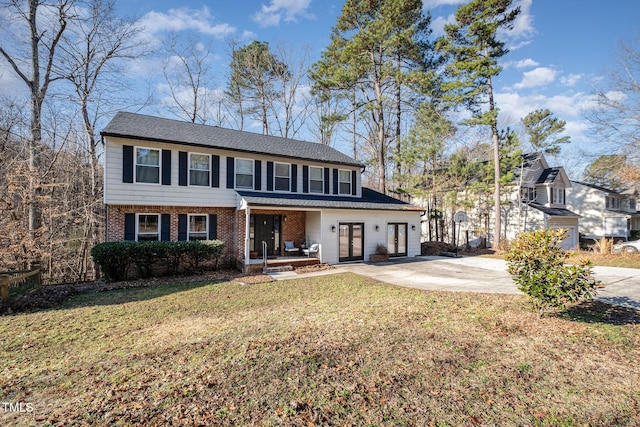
[(336, 350)]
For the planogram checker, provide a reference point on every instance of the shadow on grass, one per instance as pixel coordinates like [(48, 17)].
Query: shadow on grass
[(597, 311), (63, 297)]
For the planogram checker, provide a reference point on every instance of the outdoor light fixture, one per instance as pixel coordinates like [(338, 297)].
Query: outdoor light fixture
[(377, 228), (333, 228), (413, 227), (285, 218)]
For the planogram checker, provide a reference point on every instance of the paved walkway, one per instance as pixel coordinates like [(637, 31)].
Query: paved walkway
[(478, 274)]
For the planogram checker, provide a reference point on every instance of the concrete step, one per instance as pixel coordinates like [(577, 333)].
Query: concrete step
[(278, 269)]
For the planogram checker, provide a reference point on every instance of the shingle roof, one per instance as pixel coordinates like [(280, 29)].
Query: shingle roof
[(548, 175), (370, 200), (552, 211), (597, 187), (143, 127)]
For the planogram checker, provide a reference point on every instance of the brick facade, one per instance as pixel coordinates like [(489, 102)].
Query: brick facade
[(226, 227), (231, 225)]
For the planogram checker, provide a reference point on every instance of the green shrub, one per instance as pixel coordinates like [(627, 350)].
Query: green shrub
[(116, 258), (113, 258), (537, 262)]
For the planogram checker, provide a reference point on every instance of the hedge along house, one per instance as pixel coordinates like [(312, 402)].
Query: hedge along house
[(173, 180)]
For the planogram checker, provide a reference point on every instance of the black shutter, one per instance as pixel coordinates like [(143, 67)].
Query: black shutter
[(269, 176), (182, 227), (305, 178), (182, 167), (326, 180), (335, 181), (127, 163), (257, 176), (130, 226), (231, 171), (215, 171), (165, 227), (354, 189), (294, 178), (213, 227), (166, 167)]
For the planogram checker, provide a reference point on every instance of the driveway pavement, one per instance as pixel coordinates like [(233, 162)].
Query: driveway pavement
[(477, 274)]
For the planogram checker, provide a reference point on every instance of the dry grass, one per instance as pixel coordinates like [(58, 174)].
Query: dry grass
[(335, 350)]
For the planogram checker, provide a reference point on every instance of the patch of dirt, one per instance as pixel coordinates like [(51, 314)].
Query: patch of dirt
[(313, 268), (253, 279)]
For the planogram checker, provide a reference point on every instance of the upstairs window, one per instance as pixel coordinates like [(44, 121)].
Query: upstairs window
[(316, 180), (282, 177), (244, 173), (199, 173), (197, 227), (147, 165), (344, 181), (148, 227), (632, 205), (557, 196), (528, 194), (613, 203)]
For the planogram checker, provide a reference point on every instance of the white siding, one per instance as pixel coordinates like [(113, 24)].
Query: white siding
[(330, 243), (571, 241), (117, 192)]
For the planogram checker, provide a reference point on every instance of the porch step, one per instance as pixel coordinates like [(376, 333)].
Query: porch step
[(278, 269)]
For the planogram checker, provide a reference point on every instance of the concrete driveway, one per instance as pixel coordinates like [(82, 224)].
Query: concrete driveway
[(476, 274)]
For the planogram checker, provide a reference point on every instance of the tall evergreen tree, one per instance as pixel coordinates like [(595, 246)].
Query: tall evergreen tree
[(544, 130), (376, 47), (473, 49), (254, 71)]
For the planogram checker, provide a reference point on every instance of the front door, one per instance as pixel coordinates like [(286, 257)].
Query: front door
[(351, 242), (397, 239), (267, 229)]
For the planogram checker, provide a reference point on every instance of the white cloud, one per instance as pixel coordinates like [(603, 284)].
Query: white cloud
[(185, 19), (523, 63), (437, 25), (248, 35), (537, 77), (523, 25), (571, 79), (289, 10), (428, 4)]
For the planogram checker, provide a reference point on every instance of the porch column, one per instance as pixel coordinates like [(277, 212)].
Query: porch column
[(247, 237)]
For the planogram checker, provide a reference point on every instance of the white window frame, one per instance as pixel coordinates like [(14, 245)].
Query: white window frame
[(528, 194), (208, 156), (237, 163), (276, 176), (206, 227), (340, 182), (557, 196), (138, 233), (135, 165), (315, 180)]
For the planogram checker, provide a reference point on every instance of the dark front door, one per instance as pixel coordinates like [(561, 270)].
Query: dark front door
[(397, 239), (351, 242), (267, 229)]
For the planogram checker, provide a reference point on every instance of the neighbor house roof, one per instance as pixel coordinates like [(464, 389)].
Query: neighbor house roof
[(149, 128), (599, 188), (549, 175), (552, 211), (370, 200)]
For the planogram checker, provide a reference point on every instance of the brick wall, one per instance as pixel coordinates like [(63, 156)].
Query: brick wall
[(226, 229), (293, 225)]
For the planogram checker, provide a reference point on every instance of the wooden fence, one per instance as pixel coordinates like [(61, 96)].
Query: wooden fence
[(19, 282)]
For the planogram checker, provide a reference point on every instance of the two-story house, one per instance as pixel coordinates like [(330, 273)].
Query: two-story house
[(604, 212), (172, 180), (534, 200)]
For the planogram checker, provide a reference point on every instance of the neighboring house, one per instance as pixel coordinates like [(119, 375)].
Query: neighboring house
[(173, 180), (534, 200), (604, 212)]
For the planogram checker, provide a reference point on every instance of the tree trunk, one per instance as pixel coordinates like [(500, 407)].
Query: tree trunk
[(496, 167)]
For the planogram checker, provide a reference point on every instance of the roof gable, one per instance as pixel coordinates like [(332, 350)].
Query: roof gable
[(143, 127)]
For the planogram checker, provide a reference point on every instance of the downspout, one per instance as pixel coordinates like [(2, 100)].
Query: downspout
[(247, 238)]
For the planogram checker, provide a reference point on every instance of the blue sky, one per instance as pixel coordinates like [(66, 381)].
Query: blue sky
[(560, 50)]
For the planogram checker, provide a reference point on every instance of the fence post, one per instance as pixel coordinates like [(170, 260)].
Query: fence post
[(4, 287)]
